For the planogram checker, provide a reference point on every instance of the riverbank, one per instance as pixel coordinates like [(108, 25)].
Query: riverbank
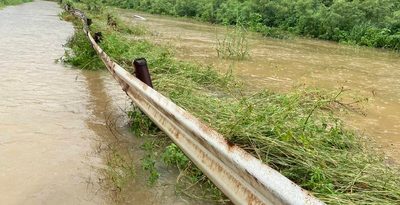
[(365, 23), (294, 133)]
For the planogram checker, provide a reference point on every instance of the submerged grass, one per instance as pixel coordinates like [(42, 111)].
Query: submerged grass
[(234, 44), (295, 133)]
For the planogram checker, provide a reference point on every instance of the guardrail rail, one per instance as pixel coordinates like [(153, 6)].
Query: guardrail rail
[(240, 176)]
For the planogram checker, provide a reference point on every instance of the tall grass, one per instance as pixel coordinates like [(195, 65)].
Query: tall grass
[(233, 44), (4, 3), (295, 133)]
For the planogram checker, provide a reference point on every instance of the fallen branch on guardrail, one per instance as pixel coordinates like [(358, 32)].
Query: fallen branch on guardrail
[(241, 177)]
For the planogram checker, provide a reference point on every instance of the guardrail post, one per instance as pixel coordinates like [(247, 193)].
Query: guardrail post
[(89, 21), (98, 37), (142, 71)]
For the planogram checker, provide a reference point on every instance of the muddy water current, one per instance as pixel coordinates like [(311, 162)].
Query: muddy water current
[(60, 127), (281, 65)]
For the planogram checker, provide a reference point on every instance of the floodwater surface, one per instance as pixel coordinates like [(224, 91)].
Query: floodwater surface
[(59, 127), (109, 121), (281, 65), (45, 145)]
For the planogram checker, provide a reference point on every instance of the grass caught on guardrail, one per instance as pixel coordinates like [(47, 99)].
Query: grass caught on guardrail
[(295, 133)]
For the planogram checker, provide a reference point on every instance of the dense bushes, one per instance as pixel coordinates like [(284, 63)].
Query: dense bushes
[(374, 23)]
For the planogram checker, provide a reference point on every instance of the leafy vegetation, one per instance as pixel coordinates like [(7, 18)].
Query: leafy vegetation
[(12, 2), (374, 23), (295, 133)]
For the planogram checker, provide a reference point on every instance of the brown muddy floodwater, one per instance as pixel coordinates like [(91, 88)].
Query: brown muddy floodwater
[(55, 121), (281, 65), (45, 145)]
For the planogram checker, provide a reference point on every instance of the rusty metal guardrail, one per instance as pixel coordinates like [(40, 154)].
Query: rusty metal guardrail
[(240, 176)]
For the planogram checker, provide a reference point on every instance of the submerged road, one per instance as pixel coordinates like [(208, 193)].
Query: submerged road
[(57, 124), (46, 149)]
